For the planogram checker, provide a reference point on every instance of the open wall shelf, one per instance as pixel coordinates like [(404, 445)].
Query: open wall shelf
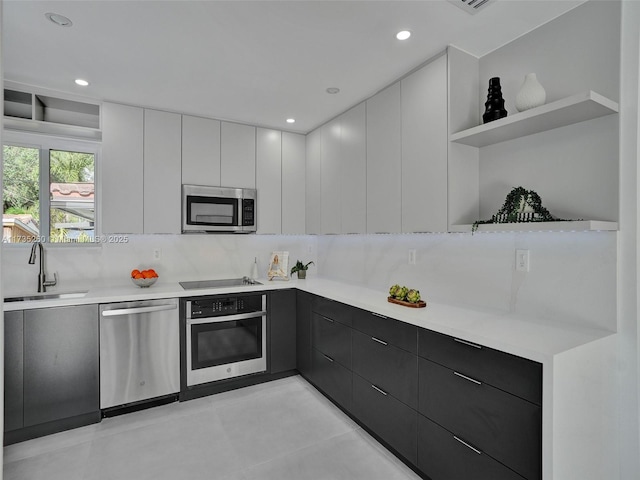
[(567, 111), (569, 226)]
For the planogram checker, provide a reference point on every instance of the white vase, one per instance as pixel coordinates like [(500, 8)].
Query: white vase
[(531, 94)]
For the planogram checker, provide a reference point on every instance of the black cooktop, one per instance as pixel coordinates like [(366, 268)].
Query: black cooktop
[(221, 283)]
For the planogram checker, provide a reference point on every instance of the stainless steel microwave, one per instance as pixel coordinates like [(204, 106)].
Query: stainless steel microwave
[(218, 209)]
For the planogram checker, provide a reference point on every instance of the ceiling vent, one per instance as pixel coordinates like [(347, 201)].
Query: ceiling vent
[(471, 6)]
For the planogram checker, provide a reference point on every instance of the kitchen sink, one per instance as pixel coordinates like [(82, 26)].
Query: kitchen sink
[(45, 296)]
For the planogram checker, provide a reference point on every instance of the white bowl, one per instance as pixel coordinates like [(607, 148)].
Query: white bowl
[(144, 282)]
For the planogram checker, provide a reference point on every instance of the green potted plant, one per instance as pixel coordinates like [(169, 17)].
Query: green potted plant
[(301, 268)]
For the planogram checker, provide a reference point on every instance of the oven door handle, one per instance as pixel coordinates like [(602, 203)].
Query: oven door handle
[(225, 318)]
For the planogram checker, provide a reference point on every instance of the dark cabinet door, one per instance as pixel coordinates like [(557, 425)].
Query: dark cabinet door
[(444, 456), (282, 331), (510, 373), (394, 332), (337, 311), (333, 379), (502, 425), (332, 338), (60, 363), (304, 301), (390, 419), (393, 370), (13, 370)]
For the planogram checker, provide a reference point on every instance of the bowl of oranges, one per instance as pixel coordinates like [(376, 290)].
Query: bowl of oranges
[(144, 278)]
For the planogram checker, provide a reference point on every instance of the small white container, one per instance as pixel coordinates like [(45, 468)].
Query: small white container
[(531, 94)]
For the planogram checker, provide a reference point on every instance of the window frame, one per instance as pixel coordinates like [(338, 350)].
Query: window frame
[(45, 143)]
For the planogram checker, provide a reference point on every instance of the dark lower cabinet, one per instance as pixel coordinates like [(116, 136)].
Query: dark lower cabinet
[(282, 331), (61, 362), (390, 368), (13, 371), (332, 339), (445, 456), (501, 425), (516, 375), (390, 419), (51, 371), (304, 301), (333, 379)]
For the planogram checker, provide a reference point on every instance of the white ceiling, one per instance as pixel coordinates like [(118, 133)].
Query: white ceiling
[(255, 62)]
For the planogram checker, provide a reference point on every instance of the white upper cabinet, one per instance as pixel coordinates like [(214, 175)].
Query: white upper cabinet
[(238, 156), (330, 172), (121, 199), (269, 180), (384, 147), (312, 181), (293, 183), (353, 170), (200, 151), (162, 172), (424, 148)]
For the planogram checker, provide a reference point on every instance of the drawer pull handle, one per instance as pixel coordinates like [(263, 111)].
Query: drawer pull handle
[(464, 342), (379, 341), (379, 390), (328, 358), (477, 382), (328, 319), (378, 315), (467, 445)]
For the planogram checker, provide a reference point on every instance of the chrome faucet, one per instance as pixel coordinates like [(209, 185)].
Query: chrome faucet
[(42, 277)]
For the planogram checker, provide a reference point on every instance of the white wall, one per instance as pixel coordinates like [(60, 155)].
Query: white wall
[(183, 257), (627, 368)]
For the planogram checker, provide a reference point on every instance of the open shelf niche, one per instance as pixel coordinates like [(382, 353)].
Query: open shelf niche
[(561, 113)]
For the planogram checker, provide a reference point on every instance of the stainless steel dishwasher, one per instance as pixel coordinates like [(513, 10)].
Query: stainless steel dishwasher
[(139, 351)]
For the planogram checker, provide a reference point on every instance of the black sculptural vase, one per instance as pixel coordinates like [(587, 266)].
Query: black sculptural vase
[(494, 106)]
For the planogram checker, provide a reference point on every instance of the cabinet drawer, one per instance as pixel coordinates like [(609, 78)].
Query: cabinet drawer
[(393, 370), (332, 338), (443, 456), (337, 311), (332, 378), (510, 373), (394, 332), (502, 425), (390, 419)]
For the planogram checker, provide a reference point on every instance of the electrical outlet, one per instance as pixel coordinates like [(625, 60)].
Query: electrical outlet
[(522, 260), (157, 253), (412, 256), (309, 249)]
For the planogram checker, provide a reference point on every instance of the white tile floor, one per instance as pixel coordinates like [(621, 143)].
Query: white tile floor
[(282, 430)]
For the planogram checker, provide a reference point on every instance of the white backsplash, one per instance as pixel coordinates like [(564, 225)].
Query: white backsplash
[(182, 257), (572, 275)]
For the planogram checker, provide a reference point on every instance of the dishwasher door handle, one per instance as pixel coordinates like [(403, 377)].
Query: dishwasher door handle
[(136, 310)]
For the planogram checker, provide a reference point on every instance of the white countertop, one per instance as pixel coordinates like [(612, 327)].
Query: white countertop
[(525, 337)]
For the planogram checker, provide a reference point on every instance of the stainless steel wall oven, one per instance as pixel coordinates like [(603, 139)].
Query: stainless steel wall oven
[(225, 337)]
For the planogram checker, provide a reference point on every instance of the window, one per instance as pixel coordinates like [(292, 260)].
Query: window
[(48, 191)]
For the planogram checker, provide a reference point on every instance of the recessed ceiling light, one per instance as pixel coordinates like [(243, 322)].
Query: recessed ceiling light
[(81, 82), (58, 19), (333, 90), (291, 120), (403, 35)]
